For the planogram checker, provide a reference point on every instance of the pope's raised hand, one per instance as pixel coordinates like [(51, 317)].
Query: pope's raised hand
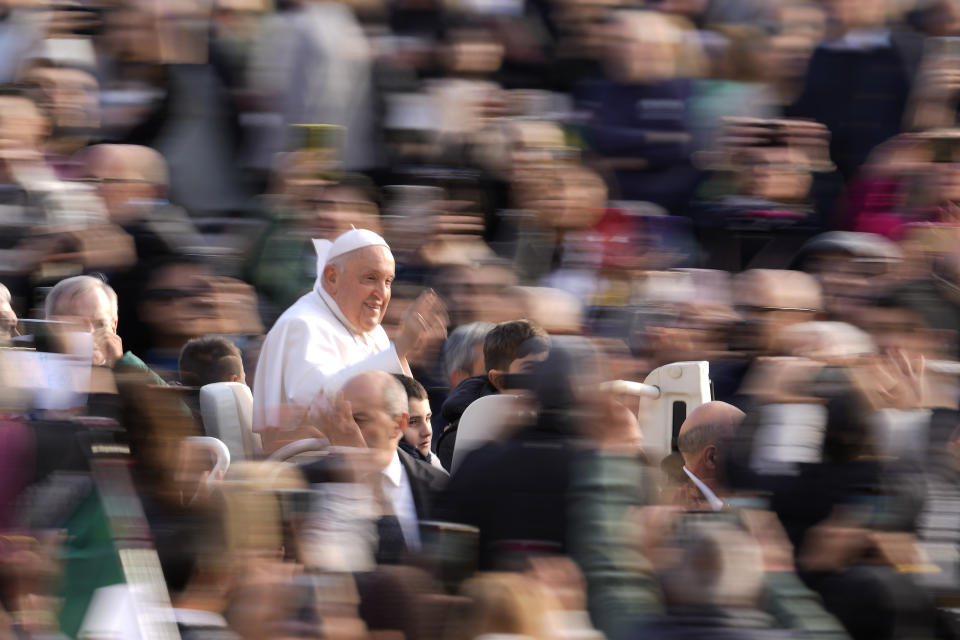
[(424, 319)]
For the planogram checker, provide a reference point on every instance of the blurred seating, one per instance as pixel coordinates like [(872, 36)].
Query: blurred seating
[(227, 412), (299, 447), (220, 455), (485, 420), (683, 386)]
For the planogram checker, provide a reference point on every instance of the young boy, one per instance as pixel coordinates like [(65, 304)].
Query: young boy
[(416, 439)]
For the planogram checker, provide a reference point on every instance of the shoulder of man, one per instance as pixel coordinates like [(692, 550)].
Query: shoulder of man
[(423, 472), (129, 362)]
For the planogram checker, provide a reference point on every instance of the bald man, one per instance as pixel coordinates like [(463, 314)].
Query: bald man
[(701, 436), (373, 412)]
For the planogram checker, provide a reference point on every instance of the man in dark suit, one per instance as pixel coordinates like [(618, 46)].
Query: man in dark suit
[(373, 413)]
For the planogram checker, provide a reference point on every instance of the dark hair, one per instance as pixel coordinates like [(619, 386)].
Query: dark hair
[(502, 344), (209, 359), (414, 389)]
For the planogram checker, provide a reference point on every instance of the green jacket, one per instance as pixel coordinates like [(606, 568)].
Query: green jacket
[(621, 586), (130, 363)]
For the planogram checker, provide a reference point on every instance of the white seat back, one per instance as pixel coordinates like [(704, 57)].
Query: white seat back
[(683, 387), (227, 412), (668, 395), (218, 450), (484, 420)]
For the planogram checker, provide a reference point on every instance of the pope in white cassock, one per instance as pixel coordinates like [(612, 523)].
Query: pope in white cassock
[(333, 332)]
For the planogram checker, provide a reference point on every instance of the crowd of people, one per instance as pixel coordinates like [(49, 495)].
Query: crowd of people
[(329, 319)]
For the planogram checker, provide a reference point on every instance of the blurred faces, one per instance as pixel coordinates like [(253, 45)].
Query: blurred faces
[(898, 330), (178, 304), (21, 125), (643, 47), (474, 51), (474, 294), (770, 300), (237, 21), (333, 209), (121, 178), (70, 96), (563, 198), (360, 284), (802, 27), (773, 173), (419, 433), (847, 281)]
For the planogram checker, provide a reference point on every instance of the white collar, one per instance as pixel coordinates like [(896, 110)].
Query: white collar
[(199, 618), (715, 503), (394, 470)]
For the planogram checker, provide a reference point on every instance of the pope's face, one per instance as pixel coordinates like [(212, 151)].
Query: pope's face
[(362, 288)]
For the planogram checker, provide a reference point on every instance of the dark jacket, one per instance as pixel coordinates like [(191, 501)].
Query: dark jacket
[(514, 491), (625, 121), (860, 95), (426, 483), (414, 453), (713, 623), (456, 403)]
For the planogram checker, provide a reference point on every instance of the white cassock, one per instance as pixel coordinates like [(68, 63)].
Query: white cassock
[(313, 348)]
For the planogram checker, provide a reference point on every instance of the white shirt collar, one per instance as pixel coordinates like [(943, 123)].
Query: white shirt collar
[(715, 503), (394, 470)]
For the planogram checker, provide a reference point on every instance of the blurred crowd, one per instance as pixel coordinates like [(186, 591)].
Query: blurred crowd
[(332, 320)]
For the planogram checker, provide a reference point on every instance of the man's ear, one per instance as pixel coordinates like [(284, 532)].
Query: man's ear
[(710, 457), (330, 277), (495, 376), (403, 421)]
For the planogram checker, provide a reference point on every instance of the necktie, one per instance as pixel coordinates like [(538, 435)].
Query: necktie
[(391, 546)]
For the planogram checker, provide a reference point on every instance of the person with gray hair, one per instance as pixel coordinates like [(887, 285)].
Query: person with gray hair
[(90, 304), (700, 440), (463, 352)]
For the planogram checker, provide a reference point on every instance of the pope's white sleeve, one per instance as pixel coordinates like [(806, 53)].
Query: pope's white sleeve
[(320, 368), (386, 360)]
